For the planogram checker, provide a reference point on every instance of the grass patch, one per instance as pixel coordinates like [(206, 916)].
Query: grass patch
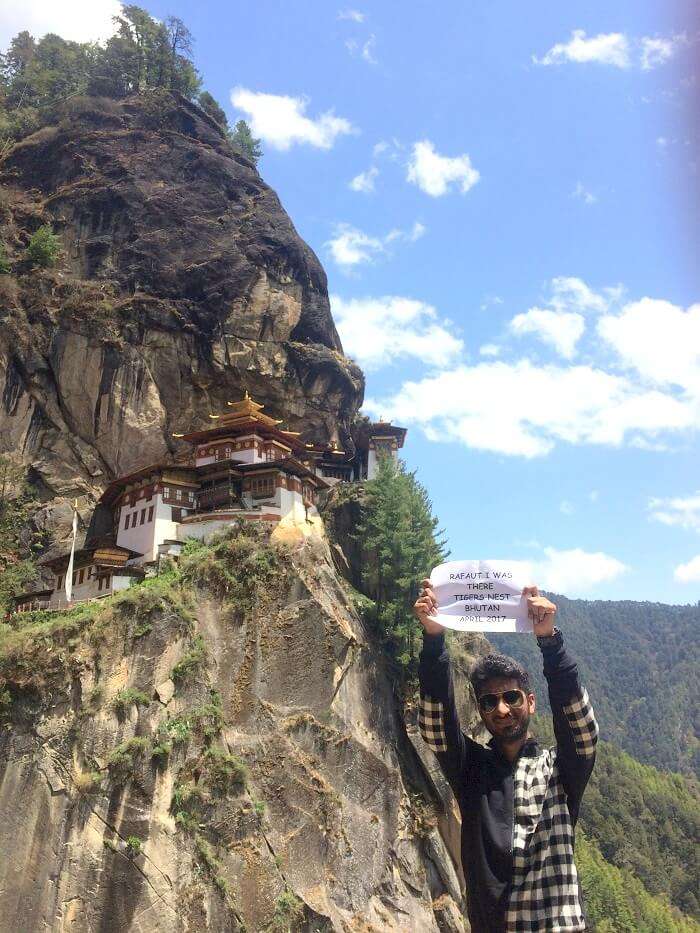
[(5, 702), (212, 864), (289, 913), (153, 597), (235, 565), (28, 646), (127, 698), (87, 782)]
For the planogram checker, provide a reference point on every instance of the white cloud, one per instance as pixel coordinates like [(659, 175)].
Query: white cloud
[(377, 331), (655, 51), (490, 349), (365, 49), (281, 121), (520, 409), (575, 572), (659, 340), (434, 173), (350, 247), (569, 293), (368, 50), (561, 324), (364, 182), (613, 48), (76, 20), (677, 510), (583, 194), (688, 573), (606, 49), (561, 330), (354, 16), (415, 233), (566, 507)]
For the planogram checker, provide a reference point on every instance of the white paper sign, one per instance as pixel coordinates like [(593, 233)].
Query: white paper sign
[(482, 595)]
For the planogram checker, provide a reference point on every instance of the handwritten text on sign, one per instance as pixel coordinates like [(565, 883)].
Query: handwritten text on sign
[(482, 595)]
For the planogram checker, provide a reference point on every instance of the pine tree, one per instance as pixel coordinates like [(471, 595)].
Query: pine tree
[(401, 545), (211, 106), (243, 140)]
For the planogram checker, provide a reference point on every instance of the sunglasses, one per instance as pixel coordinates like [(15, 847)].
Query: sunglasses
[(489, 701)]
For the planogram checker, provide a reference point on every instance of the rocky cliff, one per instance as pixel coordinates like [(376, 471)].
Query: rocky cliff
[(181, 283), (217, 749)]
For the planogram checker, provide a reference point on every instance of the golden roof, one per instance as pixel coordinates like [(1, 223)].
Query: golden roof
[(246, 410)]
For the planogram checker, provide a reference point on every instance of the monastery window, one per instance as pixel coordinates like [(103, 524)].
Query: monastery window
[(177, 515), (59, 582), (263, 486), (126, 521), (81, 574), (150, 514), (178, 494), (143, 516), (89, 573), (166, 492)]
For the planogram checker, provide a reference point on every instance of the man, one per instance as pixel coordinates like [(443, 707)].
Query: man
[(519, 802)]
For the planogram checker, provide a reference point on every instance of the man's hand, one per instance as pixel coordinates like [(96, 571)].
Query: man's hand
[(426, 606), (541, 611)]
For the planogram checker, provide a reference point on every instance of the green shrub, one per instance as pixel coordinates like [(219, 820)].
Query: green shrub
[(122, 761), (191, 662), (186, 805), (289, 911), (178, 730), (44, 247), (160, 752), (133, 846), (127, 698), (224, 771)]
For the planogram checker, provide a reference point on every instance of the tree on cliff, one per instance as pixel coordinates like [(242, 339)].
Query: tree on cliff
[(242, 139), (36, 78), (401, 544), (17, 541)]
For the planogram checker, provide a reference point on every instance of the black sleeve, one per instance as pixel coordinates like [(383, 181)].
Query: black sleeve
[(437, 715), (575, 726)]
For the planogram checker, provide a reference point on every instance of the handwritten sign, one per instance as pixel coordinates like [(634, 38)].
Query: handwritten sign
[(482, 595)]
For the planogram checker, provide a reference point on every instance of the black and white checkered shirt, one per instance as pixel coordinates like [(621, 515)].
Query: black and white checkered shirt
[(517, 818)]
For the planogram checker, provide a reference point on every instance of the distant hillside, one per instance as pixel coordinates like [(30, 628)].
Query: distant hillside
[(641, 664), (643, 822)]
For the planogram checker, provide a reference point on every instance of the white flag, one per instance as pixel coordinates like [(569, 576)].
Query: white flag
[(69, 572)]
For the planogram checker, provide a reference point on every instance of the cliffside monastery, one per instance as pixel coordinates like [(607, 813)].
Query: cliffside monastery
[(242, 467)]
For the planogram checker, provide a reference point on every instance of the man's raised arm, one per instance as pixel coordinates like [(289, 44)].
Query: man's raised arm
[(575, 726), (437, 715)]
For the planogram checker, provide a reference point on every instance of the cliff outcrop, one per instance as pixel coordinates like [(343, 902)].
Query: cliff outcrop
[(181, 284), (217, 749)]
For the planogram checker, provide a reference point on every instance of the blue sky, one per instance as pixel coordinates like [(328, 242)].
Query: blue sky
[(499, 193)]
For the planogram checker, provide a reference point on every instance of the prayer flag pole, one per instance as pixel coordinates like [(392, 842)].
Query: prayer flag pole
[(69, 572)]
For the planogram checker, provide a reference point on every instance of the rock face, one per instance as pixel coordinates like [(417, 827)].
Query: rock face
[(123, 803), (181, 284)]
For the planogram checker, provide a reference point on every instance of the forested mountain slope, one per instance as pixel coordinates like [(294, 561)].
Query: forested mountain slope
[(641, 664)]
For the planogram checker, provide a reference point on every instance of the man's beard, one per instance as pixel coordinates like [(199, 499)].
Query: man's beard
[(519, 731)]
